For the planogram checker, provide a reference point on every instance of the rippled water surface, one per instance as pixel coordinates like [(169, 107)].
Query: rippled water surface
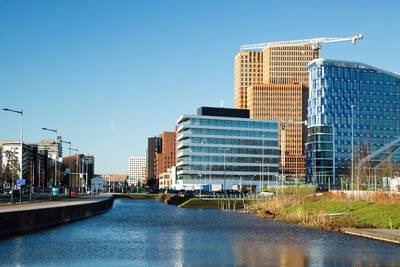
[(149, 233)]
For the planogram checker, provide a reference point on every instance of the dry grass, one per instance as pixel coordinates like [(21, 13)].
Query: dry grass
[(370, 196), (310, 211)]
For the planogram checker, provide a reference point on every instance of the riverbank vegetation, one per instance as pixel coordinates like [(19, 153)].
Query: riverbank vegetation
[(214, 203), (329, 214), (171, 199), (136, 196)]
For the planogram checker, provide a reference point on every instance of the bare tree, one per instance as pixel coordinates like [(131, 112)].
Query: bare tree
[(11, 168)]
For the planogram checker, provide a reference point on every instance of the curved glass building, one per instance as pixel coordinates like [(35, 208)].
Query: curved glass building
[(344, 96)]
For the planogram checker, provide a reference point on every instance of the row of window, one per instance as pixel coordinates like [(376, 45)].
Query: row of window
[(233, 133), (229, 123), (226, 168), (224, 141), (213, 159), (231, 150)]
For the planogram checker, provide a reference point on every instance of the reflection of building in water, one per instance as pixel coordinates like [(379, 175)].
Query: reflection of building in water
[(256, 253)]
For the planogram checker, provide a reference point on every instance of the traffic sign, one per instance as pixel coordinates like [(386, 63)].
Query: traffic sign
[(20, 181), (67, 170)]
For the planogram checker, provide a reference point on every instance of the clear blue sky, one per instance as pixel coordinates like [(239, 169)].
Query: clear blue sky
[(109, 74)]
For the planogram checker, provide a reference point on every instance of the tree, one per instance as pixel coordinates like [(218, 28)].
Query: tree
[(11, 168)]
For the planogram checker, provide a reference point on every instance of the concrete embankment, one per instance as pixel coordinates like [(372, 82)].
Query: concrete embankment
[(16, 220), (387, 235)]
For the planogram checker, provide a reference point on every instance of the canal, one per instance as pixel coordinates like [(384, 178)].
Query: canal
[(149, 233)]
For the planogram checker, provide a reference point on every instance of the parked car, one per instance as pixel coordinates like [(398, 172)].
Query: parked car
[(266, 194)]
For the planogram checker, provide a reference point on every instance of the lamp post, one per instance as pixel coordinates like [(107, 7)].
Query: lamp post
[(55, 155), (352, 145), (260, 161), (76, 151), (69, 163), (224, 149), (21, 112)]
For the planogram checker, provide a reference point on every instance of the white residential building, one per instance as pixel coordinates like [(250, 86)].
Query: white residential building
[(134, 166)]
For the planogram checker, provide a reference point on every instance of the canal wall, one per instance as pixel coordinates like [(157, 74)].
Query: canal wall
[(28, 219)]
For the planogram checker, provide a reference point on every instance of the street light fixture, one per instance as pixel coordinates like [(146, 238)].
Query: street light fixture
[(224, 149), (352, 145), (21, 112), (69, 162), (76, 153), (55, 155)]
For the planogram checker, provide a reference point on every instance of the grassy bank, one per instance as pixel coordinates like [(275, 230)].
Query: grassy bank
[(231, 204), (136, 196), (293, 190), (312, 211), (376, 215)]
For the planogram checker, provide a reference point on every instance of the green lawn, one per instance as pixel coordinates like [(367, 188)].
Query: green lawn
[(380, 215)]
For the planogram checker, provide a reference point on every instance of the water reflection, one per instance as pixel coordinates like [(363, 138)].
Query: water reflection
[(149, 233), (259, 253)]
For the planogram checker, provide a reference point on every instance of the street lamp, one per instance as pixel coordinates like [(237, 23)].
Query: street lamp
[(76, 152), (352, 145), (21, 141), (260, 161), (69, 162), (224, 149), (55, 155)]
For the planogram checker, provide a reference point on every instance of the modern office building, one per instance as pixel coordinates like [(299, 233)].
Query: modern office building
[(287, 64), (53, 147), (35, 164), (223, 147), (287, 104), (248, 71), (348, 99), (89, 165), (154, 147), (135, 165), (167, 158), (281, 95)]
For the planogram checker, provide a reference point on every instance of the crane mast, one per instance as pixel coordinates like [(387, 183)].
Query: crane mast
[(315, 42)]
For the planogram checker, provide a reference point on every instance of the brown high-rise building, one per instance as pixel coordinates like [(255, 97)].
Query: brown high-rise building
[(154, 147), (167, 158), (282, 95), (286, 103), (248, 71), (287, 64)]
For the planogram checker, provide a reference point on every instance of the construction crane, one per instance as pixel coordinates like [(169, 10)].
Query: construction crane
[(315, 43)]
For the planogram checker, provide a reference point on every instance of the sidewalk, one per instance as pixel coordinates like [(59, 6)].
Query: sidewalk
[(51, 204), (387, 235)]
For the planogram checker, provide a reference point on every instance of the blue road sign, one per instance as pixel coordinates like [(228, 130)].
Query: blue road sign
[(20, 181), (67, 170)]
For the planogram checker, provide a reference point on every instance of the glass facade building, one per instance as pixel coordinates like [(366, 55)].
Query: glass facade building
[(346, 96), (226, 151)]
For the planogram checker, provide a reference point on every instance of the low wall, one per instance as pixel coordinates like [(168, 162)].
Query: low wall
[(24, 221)]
